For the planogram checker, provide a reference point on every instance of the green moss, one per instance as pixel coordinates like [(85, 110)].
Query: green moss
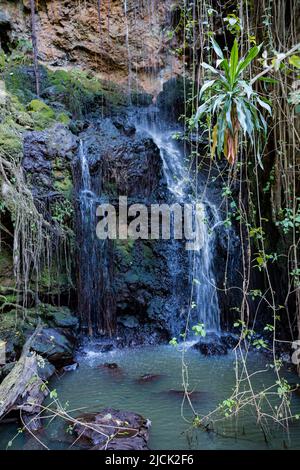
[(63, 118), (125, 248), (54, 280), (6, 269), (2, 61), (43, 116), (19, 83), (10, 141), (63, 184)]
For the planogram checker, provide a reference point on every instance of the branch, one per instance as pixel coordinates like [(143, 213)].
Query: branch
[(284, 56)]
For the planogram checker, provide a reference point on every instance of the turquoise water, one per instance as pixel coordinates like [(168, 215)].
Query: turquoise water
[(92, 388)]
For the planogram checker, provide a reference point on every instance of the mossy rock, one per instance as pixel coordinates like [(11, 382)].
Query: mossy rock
[(6, 269), (10, 142), (54, 280), (43, 116), (63, 118), (60, 317), (58, 337)]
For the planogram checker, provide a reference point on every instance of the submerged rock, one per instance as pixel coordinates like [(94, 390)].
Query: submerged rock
[(56, 341), (111, 366), (179, 394), (71, 367), (113, 430), (216, 345), (146, 378)]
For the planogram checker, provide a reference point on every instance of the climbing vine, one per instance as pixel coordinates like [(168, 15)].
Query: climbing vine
[(243, 60)]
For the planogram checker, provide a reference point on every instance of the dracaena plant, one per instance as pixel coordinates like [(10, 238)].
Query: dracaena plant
[(233, 104)]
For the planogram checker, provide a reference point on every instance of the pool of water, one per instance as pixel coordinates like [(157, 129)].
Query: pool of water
[(92, 387)]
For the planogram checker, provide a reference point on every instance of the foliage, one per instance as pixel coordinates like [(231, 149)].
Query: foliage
[(231, 100), (43, 116), (199, 329)]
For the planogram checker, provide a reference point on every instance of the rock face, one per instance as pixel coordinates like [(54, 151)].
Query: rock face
[(134, 290), (55, 342), (113, 430), (130, 46), (216, 345), (46, 160)]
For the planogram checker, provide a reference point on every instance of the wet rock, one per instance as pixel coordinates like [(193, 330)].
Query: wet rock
[(57, 345), (106, 348), (149, 378), (47, 156), (180, 394), (145, 334), (216, 345), (60, 317), (45, 369), (211, 349), (128, 321), (6, 369), (71, 367), (111, 366), (130, 431)]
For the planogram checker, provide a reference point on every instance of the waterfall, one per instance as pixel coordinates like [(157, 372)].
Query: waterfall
[(85, 171), (96, 302), (204, 303)]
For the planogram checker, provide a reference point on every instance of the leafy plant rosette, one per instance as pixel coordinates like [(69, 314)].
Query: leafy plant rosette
[(233, 104)]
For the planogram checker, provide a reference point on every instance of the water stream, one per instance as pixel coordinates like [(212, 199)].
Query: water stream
[(205, 306), (92, 388)]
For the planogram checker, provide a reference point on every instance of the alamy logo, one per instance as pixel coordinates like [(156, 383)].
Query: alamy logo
[(154, 222), (2, 353), (296, 353)]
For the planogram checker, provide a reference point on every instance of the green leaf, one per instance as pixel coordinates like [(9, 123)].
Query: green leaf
[(254, 51), (241, 116), (200, 111), (205, 87), (225, 66), (217, 48), (295, 61), (247, 88), (265, 105), (269, 80), (234, 57)]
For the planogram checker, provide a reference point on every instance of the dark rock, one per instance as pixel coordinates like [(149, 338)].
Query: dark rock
[(42, 151), (45, 369), (128, 321), (216, 345), (6, 369), (130, 430), (149, 378), (56, 345), (71, 367), (33, 423), (106, 348), (211, 349), (180, 393), (60, 317), (111, 366)]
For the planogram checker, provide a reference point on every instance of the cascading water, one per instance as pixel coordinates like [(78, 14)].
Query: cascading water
[(204, 303), (95, 292)]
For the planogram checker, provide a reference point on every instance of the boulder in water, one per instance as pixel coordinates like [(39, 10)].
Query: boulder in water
[(113, 430), (216, 345), (111, 366), (55, 344), (193, 394), (147, 378)]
